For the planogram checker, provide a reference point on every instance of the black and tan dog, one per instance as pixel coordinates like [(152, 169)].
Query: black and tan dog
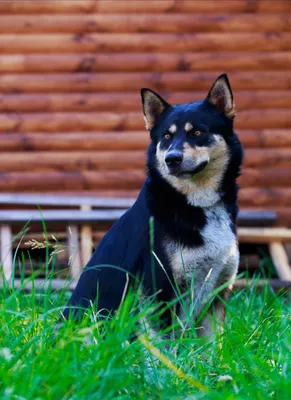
[(193, 161)]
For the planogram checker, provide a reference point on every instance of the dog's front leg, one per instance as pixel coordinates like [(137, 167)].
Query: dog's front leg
[(215, 316)]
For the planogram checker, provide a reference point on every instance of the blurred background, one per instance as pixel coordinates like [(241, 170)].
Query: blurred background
[(71, 120)]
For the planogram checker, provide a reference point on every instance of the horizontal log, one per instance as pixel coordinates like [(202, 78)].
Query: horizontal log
[(85, 141), (122, 82), (152, 6), (265, 177), (140, 42), (71, 181), (279, 158), (267, 138), (130, 101), (73, 161), (124, 23), (145, 62), (48, 122), (135, 159), (122, 140), (265, 197), (105, 179)]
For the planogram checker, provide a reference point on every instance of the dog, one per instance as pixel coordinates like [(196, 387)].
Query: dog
[(190, 195)]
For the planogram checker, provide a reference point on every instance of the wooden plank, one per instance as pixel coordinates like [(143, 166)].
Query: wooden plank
[(113, 162), (265, 138), (258, 218), (137, 23), (280, 260), (143, 42), (263, 235), (51, 179), (61, 284), (85, 141), (74, 252), (265, 177), (265, 197), (276, 284), (86, 238), (144, 62), (122, 140), (77, 180), (113, 121), (62, 200), (6, 254), (130, 101), (152, 6), (59, 216), (74, 161), (256, 158), (83, 217), (123, 82), (44, 284)]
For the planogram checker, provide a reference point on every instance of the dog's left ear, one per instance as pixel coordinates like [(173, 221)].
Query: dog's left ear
[(220, 96), (153, 106)]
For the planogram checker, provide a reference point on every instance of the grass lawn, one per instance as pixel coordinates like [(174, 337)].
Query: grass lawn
[(95, 360)]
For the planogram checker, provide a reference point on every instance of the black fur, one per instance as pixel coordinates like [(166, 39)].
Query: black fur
[(127, 244)]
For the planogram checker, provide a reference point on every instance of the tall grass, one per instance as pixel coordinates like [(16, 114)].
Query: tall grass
[(95, 359), (117, 357)]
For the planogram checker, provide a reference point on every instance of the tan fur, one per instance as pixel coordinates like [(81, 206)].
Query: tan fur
[(188, 127), (173, 128), (201, 190)]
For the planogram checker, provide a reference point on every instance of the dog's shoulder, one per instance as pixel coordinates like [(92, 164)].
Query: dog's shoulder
[(126, 239)]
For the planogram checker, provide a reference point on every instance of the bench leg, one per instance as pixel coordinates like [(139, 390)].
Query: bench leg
[(86, 239), (6, 253), (280, 260), (74, 252)]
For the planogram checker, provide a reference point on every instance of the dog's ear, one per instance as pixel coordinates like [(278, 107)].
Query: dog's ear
[(153, 106), (220, 96)]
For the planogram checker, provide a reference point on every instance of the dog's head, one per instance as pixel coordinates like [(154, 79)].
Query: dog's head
[(193, 142)]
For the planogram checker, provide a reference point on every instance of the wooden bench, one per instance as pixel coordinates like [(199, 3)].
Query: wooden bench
[(254, 226)]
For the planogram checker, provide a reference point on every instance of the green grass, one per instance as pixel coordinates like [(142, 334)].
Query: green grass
[(95, 360)]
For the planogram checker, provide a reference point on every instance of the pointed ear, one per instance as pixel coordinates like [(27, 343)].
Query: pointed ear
[(153, 106), (220, 96)]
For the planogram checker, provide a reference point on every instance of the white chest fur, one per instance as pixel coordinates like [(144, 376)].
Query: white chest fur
[(212, 264)]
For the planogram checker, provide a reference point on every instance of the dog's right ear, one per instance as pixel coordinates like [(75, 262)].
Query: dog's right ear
[(153, 106)]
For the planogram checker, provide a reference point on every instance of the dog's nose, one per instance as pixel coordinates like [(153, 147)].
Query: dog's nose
[(174, 158)]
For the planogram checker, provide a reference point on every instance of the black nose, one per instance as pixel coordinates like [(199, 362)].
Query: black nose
[(174, 158)]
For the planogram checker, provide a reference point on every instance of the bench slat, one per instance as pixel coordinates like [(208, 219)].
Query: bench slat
[(12, 217), (67, 201)]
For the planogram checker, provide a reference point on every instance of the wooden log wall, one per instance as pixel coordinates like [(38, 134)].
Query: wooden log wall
[(70, 73)]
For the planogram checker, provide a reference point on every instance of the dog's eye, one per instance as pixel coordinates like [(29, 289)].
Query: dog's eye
[(195, 133), (167, 136)]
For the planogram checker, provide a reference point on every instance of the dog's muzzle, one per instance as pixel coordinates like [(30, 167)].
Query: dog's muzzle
[(178, 168)]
